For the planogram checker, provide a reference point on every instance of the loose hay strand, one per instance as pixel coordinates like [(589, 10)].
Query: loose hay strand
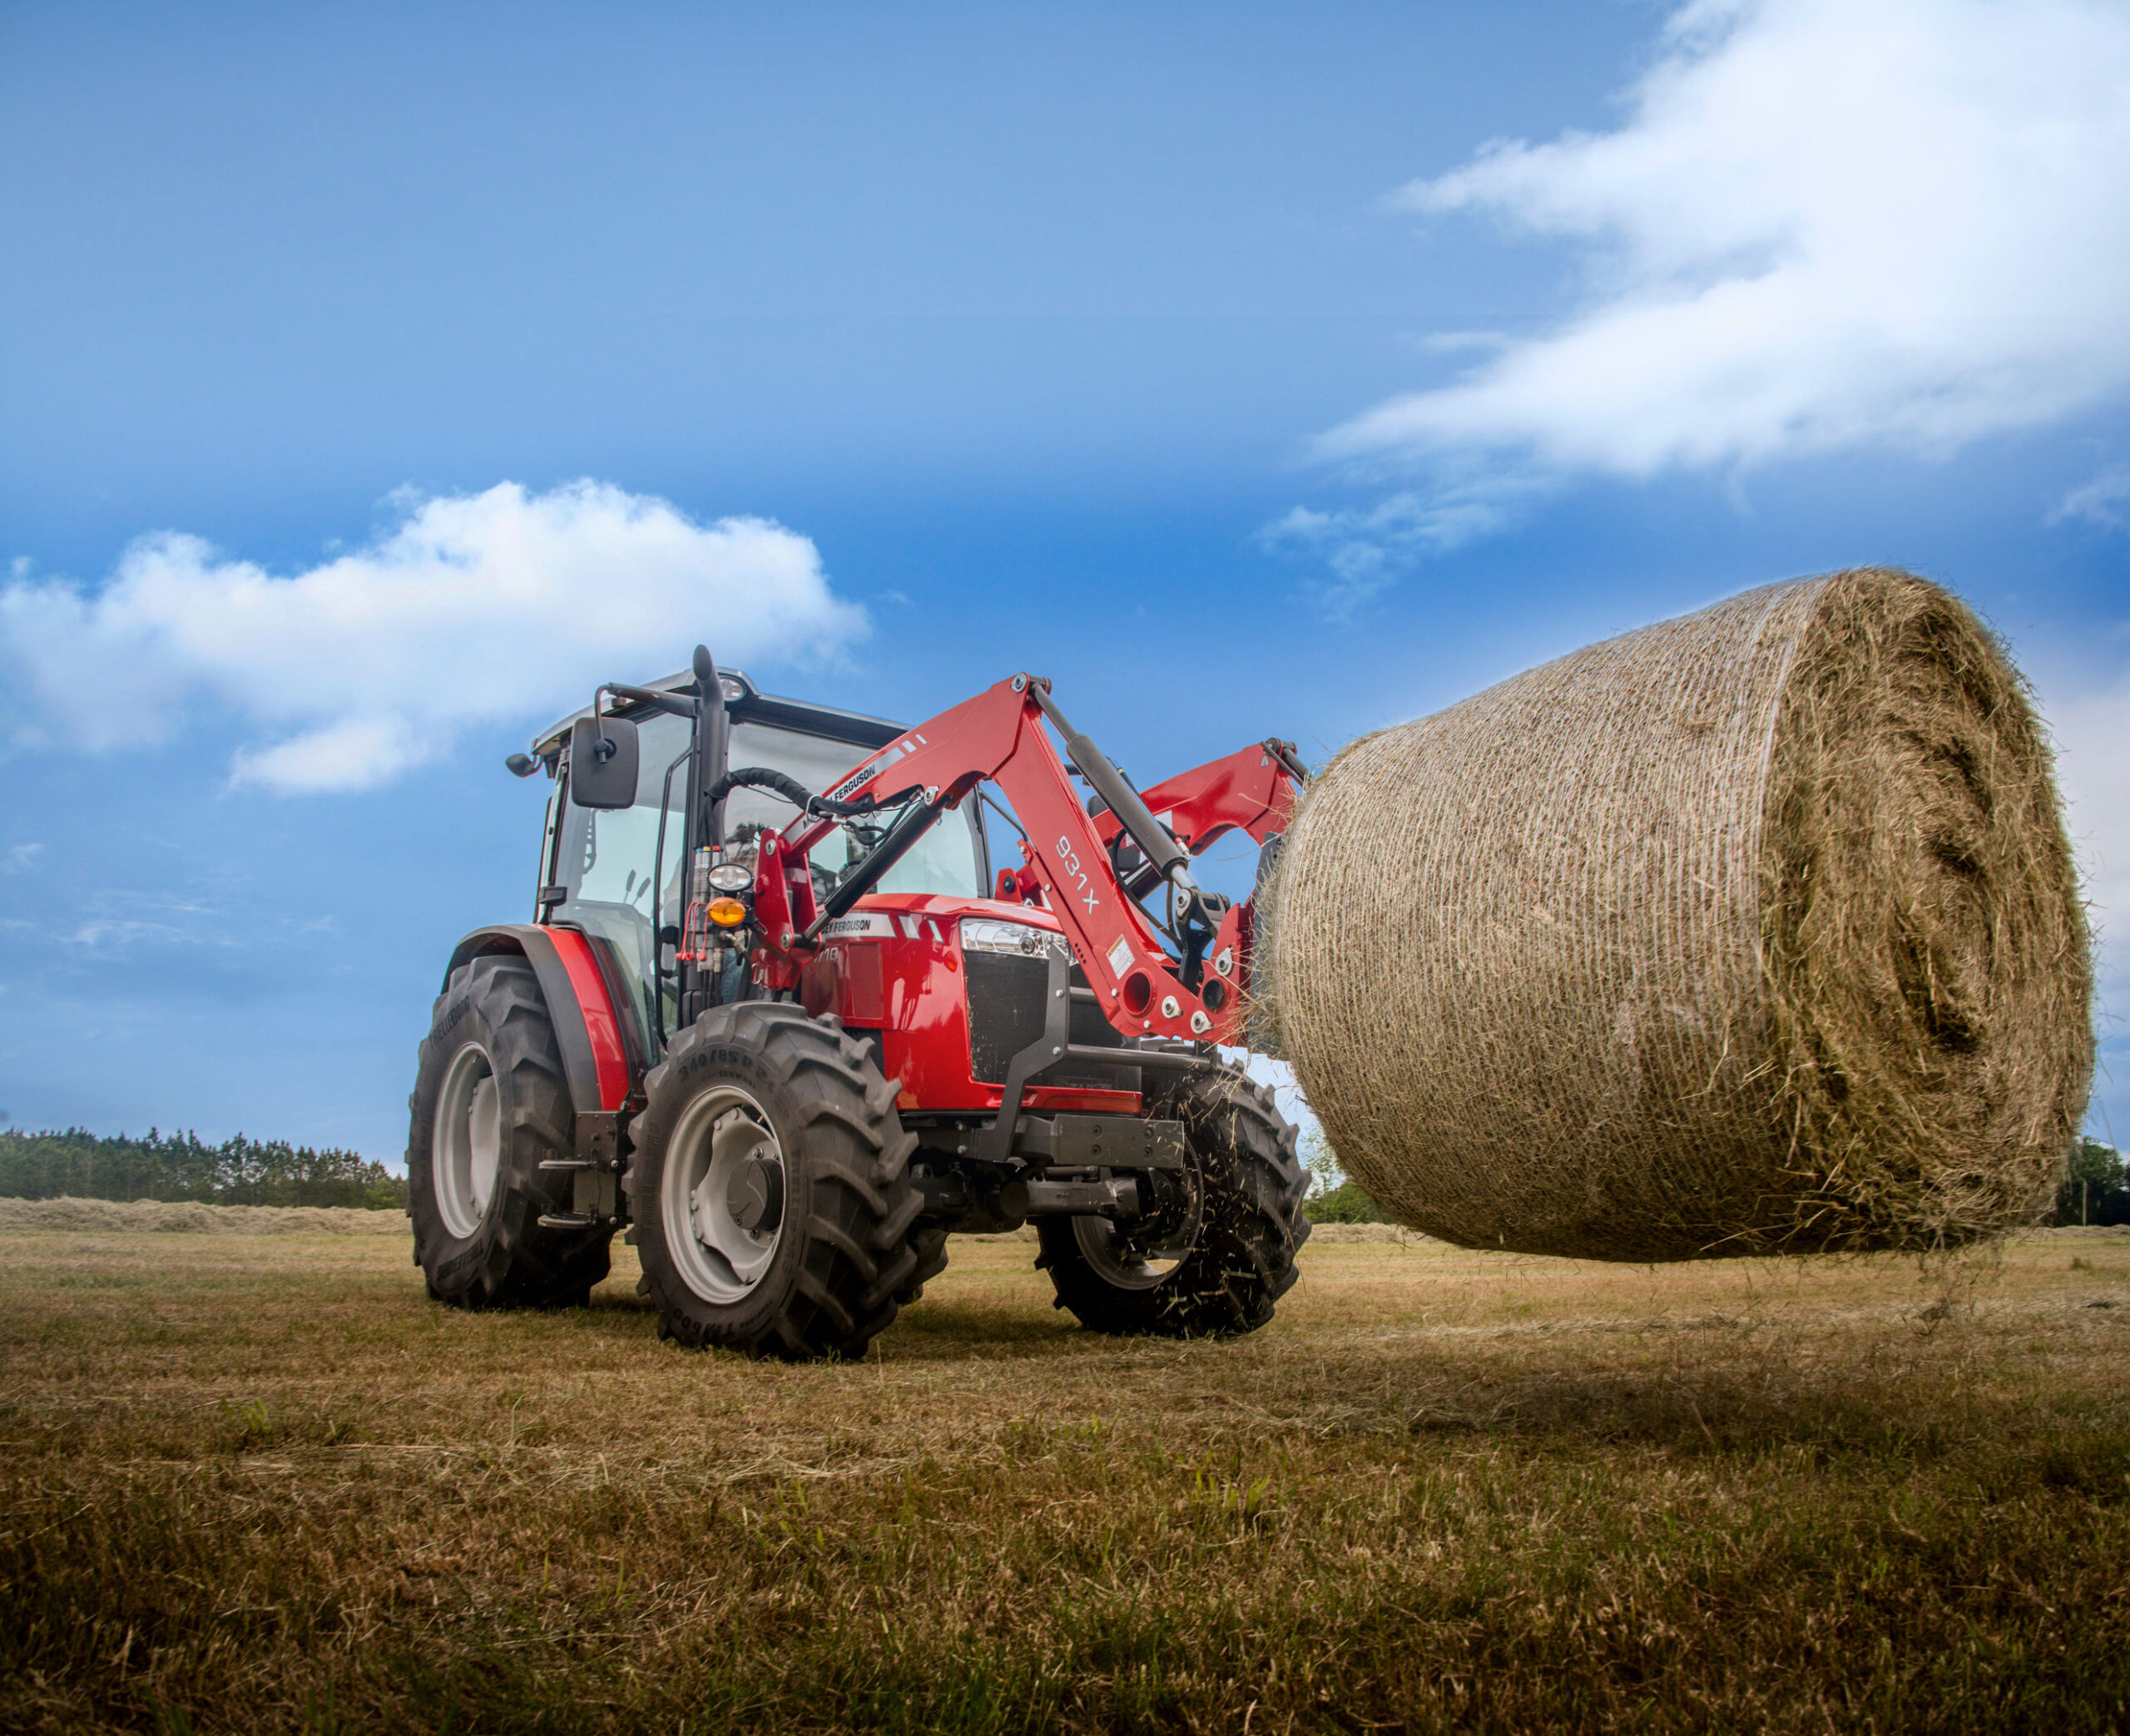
[(1754, 931)]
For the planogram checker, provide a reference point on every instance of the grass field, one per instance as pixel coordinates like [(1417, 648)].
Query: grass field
[(262, 1483)]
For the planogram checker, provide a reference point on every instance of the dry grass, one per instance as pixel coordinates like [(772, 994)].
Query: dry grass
[(191, 1217), (264, 1484)]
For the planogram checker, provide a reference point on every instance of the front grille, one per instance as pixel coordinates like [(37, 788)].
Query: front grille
[(1005, 1015)]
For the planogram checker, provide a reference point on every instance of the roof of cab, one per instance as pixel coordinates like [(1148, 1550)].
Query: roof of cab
[(748, 705)]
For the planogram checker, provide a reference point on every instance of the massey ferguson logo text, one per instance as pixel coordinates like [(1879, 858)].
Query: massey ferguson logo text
[(865, 774)]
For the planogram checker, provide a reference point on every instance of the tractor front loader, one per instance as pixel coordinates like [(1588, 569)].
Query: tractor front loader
[(777, 1019)]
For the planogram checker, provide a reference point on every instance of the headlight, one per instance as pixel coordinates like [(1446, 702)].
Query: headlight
[(986, 934), (731, 877)]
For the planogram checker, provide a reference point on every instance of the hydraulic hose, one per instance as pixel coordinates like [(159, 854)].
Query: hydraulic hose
[(762, 777)]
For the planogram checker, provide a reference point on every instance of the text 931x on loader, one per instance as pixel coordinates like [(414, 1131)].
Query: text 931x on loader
[(777, 1020)]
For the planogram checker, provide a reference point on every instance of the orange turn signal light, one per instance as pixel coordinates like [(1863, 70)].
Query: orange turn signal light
[(727, 913)]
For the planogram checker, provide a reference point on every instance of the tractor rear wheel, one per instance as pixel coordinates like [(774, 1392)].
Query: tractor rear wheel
[(769, 1187), (489, 1106), (1219, 1250)]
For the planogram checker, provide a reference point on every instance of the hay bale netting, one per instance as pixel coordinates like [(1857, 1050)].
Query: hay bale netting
[(1752, 932)]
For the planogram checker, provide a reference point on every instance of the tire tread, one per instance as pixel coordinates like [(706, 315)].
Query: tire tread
[(865, 1254)]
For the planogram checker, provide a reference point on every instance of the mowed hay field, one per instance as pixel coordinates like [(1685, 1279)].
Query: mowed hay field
[(260, 1482)]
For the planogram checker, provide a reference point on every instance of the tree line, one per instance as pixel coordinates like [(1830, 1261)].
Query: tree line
[(1333, 1197), (2095, 1188), (179, 1166)]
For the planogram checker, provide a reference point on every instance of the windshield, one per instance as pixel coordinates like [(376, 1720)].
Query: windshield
[(610, 860), (944, 860)]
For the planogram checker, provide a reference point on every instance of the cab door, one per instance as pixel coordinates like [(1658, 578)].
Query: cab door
[(620, 870)]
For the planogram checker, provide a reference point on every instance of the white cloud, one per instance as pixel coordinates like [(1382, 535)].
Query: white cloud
[(1364, 547), (2101, 500), (499, 607), (21, 859), (125, 932), (1824, 224), (362, 751)]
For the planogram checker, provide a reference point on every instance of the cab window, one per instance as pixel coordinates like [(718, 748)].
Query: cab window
[(609, 859)]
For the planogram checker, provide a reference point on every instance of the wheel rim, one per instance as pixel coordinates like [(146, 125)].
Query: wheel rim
[(723, 1195), (466, 1151), (1143, 1263)]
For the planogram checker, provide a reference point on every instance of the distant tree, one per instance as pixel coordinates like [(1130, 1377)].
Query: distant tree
[(2095, 1189), (240, 1171), (1333, 1197)]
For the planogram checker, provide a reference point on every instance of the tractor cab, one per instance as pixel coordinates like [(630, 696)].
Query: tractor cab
[(617, 873)]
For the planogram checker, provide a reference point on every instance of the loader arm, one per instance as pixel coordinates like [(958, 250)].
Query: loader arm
[(1250, 790), (999, 738)]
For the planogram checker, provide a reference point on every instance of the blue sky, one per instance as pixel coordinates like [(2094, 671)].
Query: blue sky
[(373, 384)]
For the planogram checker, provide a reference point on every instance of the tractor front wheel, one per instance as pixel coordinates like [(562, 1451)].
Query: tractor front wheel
[(489, 1106), (1218, 1250), (769, 1189)]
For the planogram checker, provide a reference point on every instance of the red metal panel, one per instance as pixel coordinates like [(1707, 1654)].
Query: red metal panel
[(861, 996), (924, 1004), (844, 978), (820, 979), (924, 1000), (600, 1025)]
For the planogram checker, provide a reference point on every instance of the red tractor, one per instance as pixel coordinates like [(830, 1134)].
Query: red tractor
[(778, 1019)]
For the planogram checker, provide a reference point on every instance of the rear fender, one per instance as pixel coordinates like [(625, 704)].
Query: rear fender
[(587, 1031)]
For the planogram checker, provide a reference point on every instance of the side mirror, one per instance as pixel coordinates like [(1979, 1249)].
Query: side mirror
[(602, 762)]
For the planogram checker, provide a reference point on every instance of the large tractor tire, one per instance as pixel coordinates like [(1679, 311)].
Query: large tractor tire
[(489, 1106), (769, 1189), (1220, 1249)]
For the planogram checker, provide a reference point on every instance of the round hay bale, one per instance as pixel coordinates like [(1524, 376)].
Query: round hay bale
[(1752, 932)]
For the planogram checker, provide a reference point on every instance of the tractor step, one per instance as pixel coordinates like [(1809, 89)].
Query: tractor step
[(571, 1220), (568, 1163)]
